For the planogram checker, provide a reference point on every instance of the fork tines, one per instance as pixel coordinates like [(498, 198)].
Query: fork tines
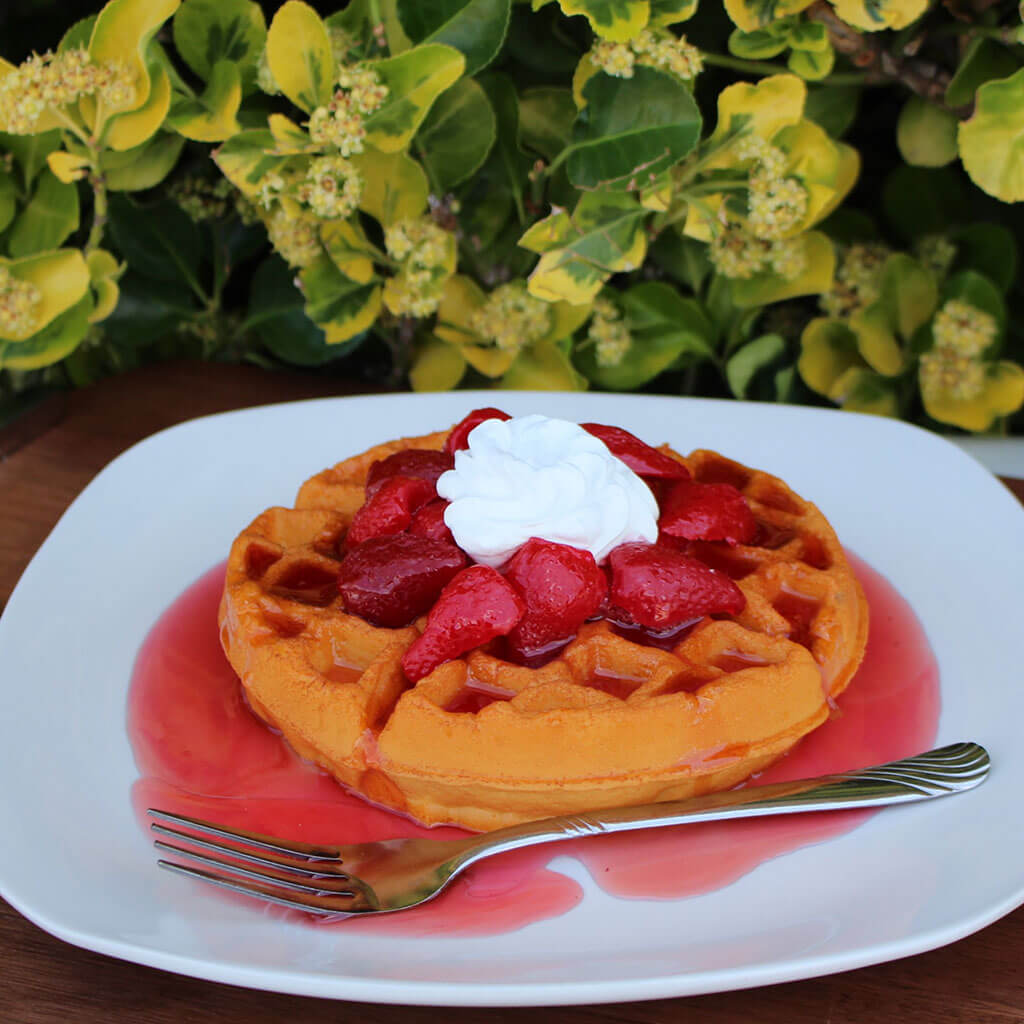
[(297, 875)]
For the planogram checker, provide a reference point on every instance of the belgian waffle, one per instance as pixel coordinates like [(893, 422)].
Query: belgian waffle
[(482, 742)]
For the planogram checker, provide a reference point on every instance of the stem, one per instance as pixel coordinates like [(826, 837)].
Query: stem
[(709, 188), (99, 206), (754, 67)]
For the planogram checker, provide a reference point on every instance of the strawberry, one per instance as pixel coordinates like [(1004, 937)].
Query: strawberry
[(457, 439), (696, 511), (658, 587), (640, 457), (429, 522), (476, 606), (389, 509), (562, 587), (413, 462), (389, 581)]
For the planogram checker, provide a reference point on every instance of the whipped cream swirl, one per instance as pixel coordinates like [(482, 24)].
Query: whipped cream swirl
[(532, 476)]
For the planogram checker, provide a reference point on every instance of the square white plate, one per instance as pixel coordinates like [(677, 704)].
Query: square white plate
[(74, 860)]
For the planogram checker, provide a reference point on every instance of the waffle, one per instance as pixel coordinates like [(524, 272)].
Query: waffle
[(482, 742)]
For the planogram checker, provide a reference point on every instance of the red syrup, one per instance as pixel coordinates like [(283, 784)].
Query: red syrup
[(200, 751)]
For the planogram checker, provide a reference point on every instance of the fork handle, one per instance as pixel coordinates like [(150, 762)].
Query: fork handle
[(940, 772)]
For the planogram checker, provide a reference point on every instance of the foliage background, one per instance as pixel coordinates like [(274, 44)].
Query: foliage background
[(192, 274)]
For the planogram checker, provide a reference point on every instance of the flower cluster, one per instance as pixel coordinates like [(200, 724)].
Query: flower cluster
[(777, 204), (55, 80), (340, 123), (512, 318), (737, 253), (18, 302), (608, 333), (937, 253), (858, 279), (421, 246), (953, 366), (656, 48), (202, 200), (296, 238), (331, 188)]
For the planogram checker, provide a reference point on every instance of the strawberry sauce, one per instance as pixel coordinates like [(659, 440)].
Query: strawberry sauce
[(201, 752)]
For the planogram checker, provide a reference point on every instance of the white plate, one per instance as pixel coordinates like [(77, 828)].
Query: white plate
[(74, 860)]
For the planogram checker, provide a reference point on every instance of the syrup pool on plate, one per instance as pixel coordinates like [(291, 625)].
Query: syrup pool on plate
[(201, 752)]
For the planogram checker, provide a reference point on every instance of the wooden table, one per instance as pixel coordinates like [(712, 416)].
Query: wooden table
[(977, 980)]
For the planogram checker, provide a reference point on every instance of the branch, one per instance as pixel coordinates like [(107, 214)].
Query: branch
[(866, 52)]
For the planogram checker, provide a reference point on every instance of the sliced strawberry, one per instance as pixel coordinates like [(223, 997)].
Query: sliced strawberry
[(457, 438), (389, 509), (640, 457), (660, 588), (429, 522), (696, 511), (562, 587), (478, 605), (413, 462), (389, 581)]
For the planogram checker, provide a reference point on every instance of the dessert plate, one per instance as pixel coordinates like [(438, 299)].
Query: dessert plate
[(75, 861)]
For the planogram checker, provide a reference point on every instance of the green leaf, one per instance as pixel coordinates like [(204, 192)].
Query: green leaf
[(30, 151), (926, 133), (908, 294), (828, 351), (299, 55), (515, 164), (143, 167), (476, 28), (546, 116), (212, 116), (833, 107), (746, 362), (603, 235), (618, 20), (247, 157), (537, 41), (56, 340), (923, 201), (684, 259), (277, 315), (983, 60), (414, 79), (50, 216), (670, 12), (8, 198), (207, 31), (992, 140), (147, 310), (158, 241), (457, 134), (78, 35), (761, 44), (811, 64), (990, 249), (343, 307), (631, 130)]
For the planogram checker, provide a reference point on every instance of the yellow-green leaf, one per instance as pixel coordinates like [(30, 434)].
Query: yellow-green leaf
[(103, 273), (299, 55), (815, 279), (876, 342), (246, 158), (671, 12), (59, 338), (206, 31), (749, 15), (67, 167), (212, 116), (349, 248), (61, 277), (860, 390), (122, 33), (876, 15), (358, 314), (133, 128), (1002, 394), (926, 133), (770, 105), (543, 366), (828, 348), (290, 139), (618, 20), (414, 80), (50, 216), (394, 186), (461, 298), (992, 141), (436, 366)]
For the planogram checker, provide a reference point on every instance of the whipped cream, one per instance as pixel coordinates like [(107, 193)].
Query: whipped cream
[(533, 476)]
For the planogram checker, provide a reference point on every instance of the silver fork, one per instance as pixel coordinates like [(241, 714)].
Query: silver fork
[(394, 874)]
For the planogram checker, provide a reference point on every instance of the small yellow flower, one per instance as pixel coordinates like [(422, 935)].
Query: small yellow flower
[(332, 188), (511, 318), (296, 238), (937, 253), (340, 122), (963, 328), (613, 58), (202, 200), (737, 253), (18, 302), (656, 48), (422, 247), (608, 333), (858, 279)]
